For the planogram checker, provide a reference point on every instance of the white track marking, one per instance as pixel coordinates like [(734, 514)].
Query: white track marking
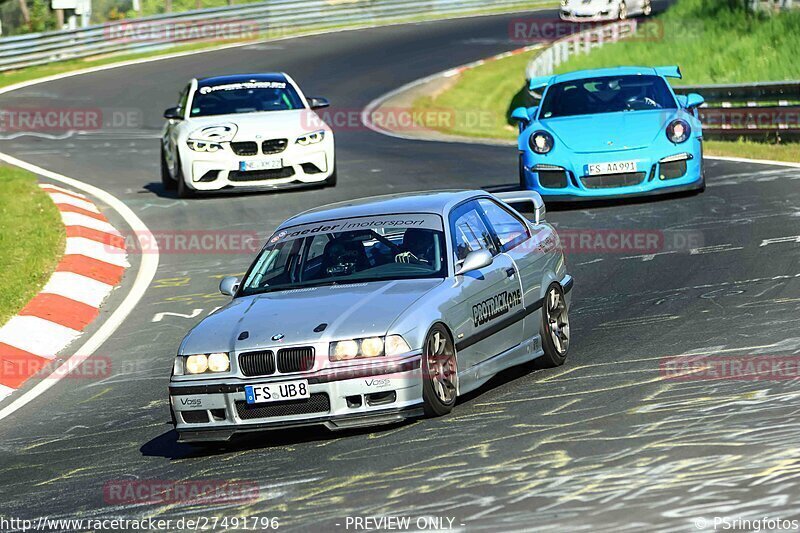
[(96, 250), (777, 240), (62, 189), (5, 391), (37, 335), (77, 219), (145, 274), (78, 288), (60, 198), (715, 249)]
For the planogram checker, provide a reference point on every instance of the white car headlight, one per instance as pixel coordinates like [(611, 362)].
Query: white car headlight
[(311, 138), (203, 146), (201, 364), (367, 348)]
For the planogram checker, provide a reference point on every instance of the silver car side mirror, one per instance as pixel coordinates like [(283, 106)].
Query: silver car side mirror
[(475, 261), (229, 285)]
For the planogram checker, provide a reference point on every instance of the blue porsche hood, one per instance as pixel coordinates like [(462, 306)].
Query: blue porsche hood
[(609, 132)]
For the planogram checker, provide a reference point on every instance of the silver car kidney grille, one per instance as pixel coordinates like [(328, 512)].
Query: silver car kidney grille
[(289, 360)]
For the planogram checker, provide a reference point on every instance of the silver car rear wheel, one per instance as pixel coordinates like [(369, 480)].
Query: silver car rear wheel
[(555, 326)]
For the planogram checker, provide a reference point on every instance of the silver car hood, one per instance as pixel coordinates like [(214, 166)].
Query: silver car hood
[(350, 311)]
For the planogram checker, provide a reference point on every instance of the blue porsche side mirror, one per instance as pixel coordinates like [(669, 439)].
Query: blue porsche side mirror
[(520, 114), (694, 100)]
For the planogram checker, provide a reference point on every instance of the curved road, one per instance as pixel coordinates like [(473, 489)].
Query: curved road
[(609, 440)]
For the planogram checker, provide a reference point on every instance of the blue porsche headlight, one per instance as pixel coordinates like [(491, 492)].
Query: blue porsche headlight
[(541, 142), (678, 131)]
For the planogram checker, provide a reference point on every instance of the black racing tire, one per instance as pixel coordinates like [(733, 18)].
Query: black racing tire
[(184, 191), (554, 329), (439, 372), (166, 178), (522, 183), (331, 180)]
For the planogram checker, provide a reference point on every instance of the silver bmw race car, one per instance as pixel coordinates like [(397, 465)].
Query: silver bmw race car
[(371, 311)]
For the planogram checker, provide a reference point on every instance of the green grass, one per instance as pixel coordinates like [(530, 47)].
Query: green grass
[(481, 100), (31, 241), (789, 152), (713, 41)]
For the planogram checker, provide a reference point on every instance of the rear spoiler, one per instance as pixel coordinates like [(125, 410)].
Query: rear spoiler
[(673, 71), (536, 85), (526, 197)]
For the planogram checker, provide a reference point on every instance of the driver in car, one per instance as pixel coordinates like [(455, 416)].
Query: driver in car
[(417, 247)]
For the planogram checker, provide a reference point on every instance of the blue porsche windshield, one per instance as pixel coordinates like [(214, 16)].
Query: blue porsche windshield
[(610, 94), (379, 248)]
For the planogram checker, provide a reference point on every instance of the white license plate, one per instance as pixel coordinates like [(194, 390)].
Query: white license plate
[(261, 164), (277, 392), (617, 167)]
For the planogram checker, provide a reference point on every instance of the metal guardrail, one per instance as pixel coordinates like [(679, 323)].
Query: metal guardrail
[(767, 111), (272, 18), (578, 43)]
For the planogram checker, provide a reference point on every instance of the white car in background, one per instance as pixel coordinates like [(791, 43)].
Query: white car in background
[(246, 132), (592, 10)]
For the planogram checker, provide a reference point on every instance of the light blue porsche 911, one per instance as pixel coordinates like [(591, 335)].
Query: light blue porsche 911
[(614, 132)]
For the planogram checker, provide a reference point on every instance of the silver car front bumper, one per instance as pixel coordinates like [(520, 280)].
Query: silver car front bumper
[(215, 410)]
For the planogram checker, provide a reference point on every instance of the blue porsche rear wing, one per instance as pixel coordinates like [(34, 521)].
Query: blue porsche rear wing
[(538, 84), (673, 71)]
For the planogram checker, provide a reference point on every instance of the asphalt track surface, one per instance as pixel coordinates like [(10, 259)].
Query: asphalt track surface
[(608, 442)]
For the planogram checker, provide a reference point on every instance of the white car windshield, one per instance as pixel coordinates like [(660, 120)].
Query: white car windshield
[(246, 97), (391, 247), (609, 94)]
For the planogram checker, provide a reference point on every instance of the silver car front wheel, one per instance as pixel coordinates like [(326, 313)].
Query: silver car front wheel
[(439, 372)]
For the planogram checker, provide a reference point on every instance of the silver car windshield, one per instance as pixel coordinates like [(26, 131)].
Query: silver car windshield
[(392, 247), (609, 94)]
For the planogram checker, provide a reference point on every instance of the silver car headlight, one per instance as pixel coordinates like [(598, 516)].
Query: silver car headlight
[(314, 137), (367, 347), (192, 365)]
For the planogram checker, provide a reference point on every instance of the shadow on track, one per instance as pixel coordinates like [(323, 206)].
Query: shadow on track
[(167, 446), (566, 205)]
